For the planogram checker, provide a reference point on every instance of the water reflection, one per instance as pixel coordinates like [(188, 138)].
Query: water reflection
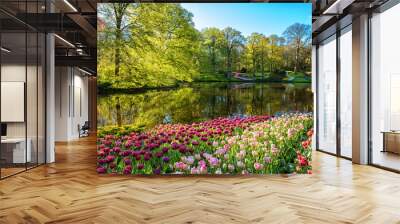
[(202, 101)]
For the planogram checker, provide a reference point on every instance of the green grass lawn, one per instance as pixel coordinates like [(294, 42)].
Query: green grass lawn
[(210, 77), (297, 77), (292, 77)]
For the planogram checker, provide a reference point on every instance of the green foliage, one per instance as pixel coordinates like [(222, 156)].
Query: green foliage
[(299, 38), (153, 45), (211, 50), (160, 48), (118, 131)]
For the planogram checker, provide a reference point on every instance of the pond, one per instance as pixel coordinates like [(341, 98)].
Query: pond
[(201, 101)]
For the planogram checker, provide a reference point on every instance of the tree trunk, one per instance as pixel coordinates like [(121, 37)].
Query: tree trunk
[(119, 117), (229, 64), (214, 61), (296, 57), (118, 38), (271, 65), (117, 60), (262, 64), (119, 11), (254, 66)]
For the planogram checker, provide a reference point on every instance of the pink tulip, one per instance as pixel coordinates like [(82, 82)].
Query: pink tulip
[(258, 166), (203, 170), (213, 161), (180, 165), (194, 170), (101, 170)]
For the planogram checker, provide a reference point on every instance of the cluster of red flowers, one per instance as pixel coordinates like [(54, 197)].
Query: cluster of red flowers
[(154, 145), (302, 160)]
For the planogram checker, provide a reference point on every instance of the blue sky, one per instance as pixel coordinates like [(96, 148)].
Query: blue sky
[(266, 18)]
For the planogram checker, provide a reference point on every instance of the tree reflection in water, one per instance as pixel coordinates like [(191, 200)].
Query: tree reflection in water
[(201, 101)]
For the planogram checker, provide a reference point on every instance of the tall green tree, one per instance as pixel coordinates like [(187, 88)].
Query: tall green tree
[(297, 35), (113, 39), (212, 40), (153, 44), (115, 18), (253, 49), (120, 11), (232, 40), (264, 42), (274, 52)]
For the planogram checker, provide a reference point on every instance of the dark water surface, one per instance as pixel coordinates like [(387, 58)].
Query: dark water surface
[(202, 101)]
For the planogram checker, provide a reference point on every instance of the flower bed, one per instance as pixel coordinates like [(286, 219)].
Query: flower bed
[(257, 144)]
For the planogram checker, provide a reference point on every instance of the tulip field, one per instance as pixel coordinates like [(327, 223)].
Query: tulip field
[(250, 145)]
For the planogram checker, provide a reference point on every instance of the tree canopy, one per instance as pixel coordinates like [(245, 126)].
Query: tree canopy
[(152, 45)]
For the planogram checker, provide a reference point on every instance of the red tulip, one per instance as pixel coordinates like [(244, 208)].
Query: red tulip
[(140, 166), (101, 170)]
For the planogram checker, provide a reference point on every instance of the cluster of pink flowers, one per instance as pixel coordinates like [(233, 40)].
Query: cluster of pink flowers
[(218, 146)]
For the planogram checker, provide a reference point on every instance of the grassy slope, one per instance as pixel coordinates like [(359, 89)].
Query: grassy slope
[(209, 77), (291, 77), (297, 77)]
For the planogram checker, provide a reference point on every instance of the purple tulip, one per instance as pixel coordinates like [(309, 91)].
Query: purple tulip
[(159, 154), (127, 161), (213, 161), (166, 159), (117, 149), (128, 144), (182, 150), (117, 143), (165, 150), (128, 169), (125, 153), (102, 161), (174, 145), (157, 171), (267, 159), (140, 166)]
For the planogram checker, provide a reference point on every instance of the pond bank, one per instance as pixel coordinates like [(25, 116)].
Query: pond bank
[(103, 91), (106, 90)]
